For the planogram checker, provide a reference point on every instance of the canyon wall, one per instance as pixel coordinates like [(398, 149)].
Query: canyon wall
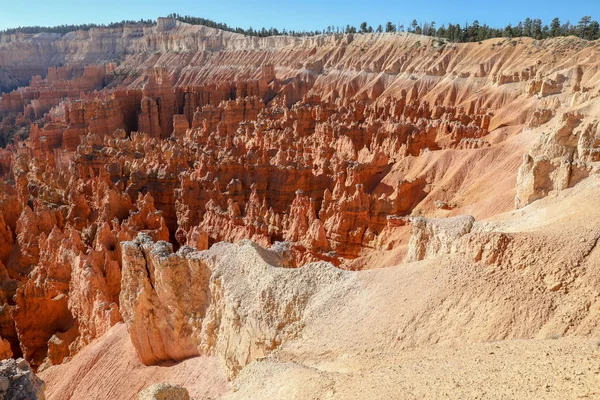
[(329, 149)]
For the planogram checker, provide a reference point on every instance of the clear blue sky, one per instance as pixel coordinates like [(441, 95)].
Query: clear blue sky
[(295, 15)]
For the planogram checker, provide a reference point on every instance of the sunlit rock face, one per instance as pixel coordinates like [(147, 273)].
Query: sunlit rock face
[(189, 303), (133, 149)]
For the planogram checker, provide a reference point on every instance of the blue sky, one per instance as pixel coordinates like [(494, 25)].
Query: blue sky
[(296, 15)]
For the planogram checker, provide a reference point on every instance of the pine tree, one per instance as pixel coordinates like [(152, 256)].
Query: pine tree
[(413, 26), (431, 31), (582, 27), (555, 28), (441, 32), (536, 29), (527, 27)]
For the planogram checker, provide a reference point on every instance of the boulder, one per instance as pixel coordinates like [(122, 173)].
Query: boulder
[(164, 391), (18, 382)]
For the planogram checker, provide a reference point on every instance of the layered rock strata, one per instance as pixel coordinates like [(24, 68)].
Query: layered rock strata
[(326, 149)]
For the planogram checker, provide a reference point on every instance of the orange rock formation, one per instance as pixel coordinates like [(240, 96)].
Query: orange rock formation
[(349, 150)]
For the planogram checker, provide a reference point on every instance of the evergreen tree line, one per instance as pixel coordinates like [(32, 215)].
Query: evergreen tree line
[(263, 32), (586, 28), (62, 29)]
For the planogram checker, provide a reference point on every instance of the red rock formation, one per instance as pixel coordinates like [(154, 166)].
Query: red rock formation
[(60, 83), (319, 147), (45, 294)]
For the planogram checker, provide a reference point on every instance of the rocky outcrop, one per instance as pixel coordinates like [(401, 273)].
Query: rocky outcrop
[(233, 301), (156, 302), (64, 262), (61, 83), (431, 238), (559, 159), (18, 382), (164, 391)]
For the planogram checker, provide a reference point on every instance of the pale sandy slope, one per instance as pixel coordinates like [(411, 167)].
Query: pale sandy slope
[(447, 327), (520, 369), (110, 369)]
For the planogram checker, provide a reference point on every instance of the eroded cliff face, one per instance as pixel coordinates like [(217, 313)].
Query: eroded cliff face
[(189, 303), (325, 149), (559, 159)]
